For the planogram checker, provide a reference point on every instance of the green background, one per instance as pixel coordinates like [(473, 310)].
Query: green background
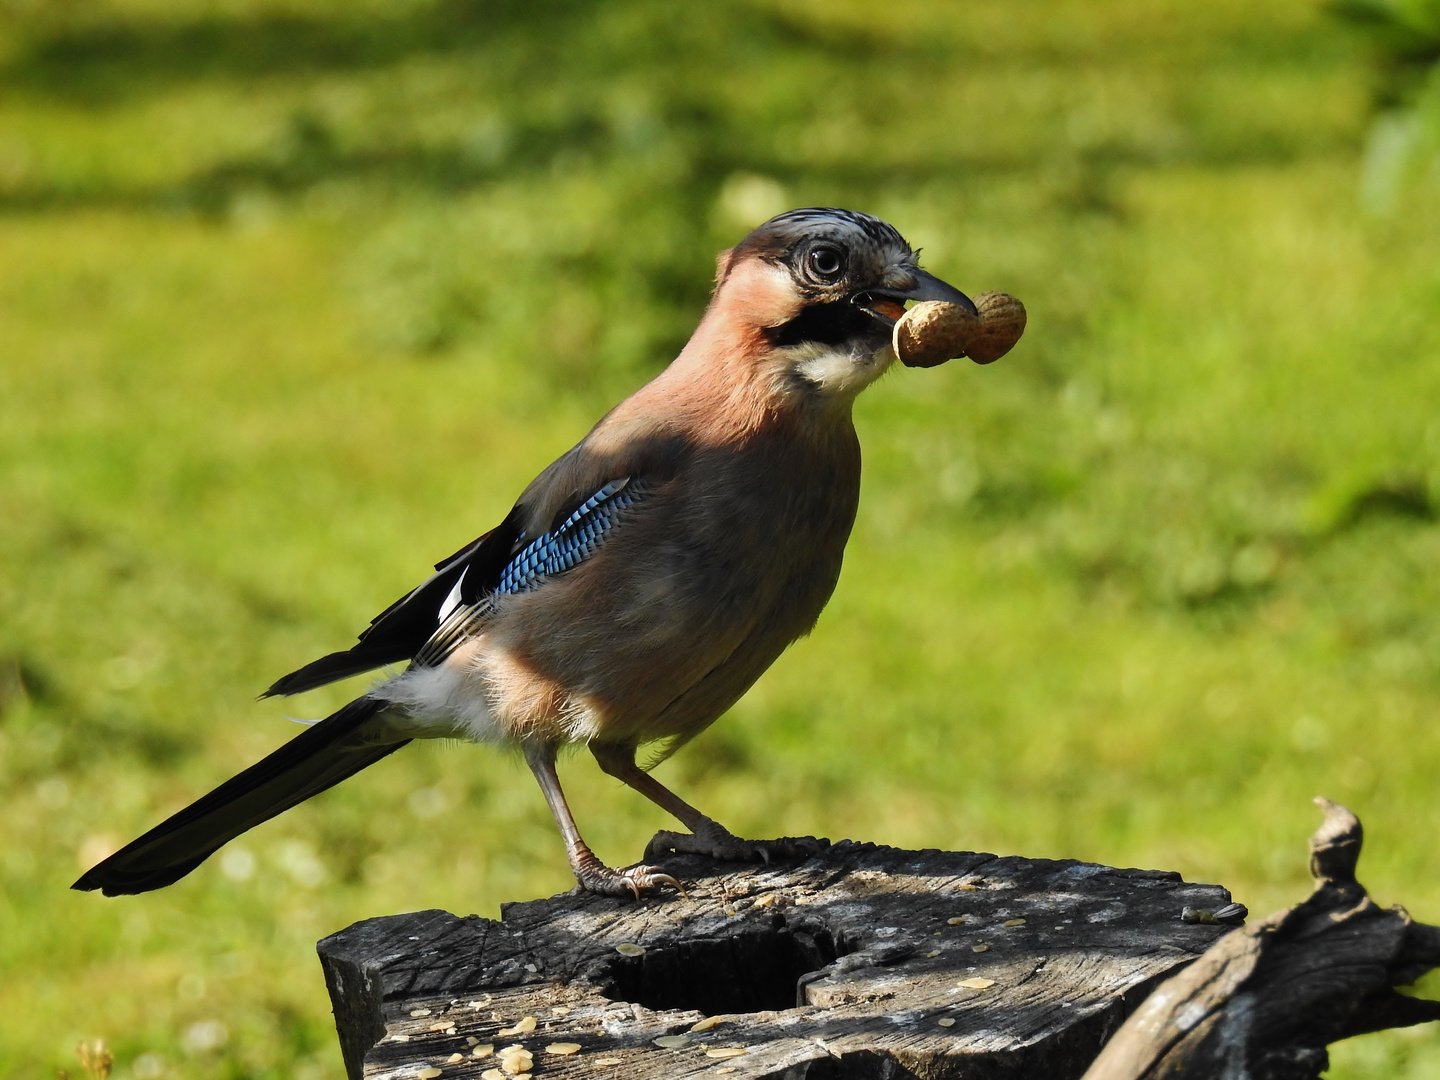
[(296, 295)]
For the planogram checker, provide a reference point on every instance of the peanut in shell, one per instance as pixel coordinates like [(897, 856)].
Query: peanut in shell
[(932, 332), (935, 331), (1002, 321)]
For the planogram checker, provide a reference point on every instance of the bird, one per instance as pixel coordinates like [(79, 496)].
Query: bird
[(641, 583)]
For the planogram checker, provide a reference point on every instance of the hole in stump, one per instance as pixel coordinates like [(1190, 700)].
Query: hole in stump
[(749, 971)]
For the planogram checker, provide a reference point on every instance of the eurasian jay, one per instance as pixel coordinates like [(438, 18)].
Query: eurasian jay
[(642, 582)]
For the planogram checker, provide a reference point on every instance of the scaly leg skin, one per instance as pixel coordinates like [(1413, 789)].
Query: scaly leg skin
[(592, 874), (706, 836)]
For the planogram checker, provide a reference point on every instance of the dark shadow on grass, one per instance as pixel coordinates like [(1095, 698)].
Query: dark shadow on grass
[(710, 145), (1405, 498), (521, 53), (547, 67), (108, 61)]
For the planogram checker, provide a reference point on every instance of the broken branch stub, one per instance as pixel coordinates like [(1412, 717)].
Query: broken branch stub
[(1267, 999)]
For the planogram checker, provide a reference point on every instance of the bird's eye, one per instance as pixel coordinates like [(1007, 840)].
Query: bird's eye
[(825, 261)]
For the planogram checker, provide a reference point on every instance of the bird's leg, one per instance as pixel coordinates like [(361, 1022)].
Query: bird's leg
[(706, 836), (592, 874)]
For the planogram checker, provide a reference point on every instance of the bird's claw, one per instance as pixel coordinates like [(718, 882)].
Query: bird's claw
[(716, 841), (633, 881)]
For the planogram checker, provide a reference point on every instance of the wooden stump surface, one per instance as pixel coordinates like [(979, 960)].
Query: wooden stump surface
[(861, 961)]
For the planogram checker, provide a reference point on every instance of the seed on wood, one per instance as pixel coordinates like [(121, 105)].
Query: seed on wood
[(1014, 922), (493, 1074), (516, 1060), (419, 1012), (710, 1022), (607, 1061), (560, 1010), (932, 954), (429, 1072), (975, 984), (958, 920), (672, 1042), (948, 1021), (399, 1038), (441, 1026), (630, 949), (471, 1040), (766, 900), (524, 1027), (967, 887), (980, 948), (726, 1052), (454, 1058), (563, 1049), (483, 1050)]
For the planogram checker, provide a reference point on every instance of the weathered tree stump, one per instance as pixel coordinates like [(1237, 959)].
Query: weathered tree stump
[(861, 961), (1265, 1001)]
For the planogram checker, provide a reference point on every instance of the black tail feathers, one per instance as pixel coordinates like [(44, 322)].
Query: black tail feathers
[(320, 757)]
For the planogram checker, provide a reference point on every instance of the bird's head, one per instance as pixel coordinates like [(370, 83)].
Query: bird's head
[(819, 292)]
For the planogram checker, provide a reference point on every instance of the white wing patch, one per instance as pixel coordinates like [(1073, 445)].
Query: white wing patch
[(453, 600)]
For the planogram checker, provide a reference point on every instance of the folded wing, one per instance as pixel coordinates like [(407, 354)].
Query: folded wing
[(425, 625)]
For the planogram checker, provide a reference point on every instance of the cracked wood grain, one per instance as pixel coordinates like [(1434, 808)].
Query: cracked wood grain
[(861, 961)]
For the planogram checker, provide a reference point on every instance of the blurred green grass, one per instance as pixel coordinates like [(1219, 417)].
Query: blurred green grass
[(296, 296)]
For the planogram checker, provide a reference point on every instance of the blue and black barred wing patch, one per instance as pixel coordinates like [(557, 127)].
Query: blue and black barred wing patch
[(577, 538), (563, 548)]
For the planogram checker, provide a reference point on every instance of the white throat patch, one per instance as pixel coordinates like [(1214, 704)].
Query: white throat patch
[(837, 371)]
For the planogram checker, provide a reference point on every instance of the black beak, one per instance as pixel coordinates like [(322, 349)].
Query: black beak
[(887, 304), (930, 287)]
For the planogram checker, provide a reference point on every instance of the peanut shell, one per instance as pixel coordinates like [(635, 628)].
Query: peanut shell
[(932, 332), (1002, 321)]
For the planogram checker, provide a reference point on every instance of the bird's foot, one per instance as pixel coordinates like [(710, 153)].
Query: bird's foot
[(634, 881), (718, 842)]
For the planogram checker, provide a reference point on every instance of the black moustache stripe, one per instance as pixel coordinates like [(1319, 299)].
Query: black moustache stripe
[(826, 324)]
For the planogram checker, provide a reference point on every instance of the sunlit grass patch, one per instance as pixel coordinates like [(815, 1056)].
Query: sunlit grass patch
[(296, 297)]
